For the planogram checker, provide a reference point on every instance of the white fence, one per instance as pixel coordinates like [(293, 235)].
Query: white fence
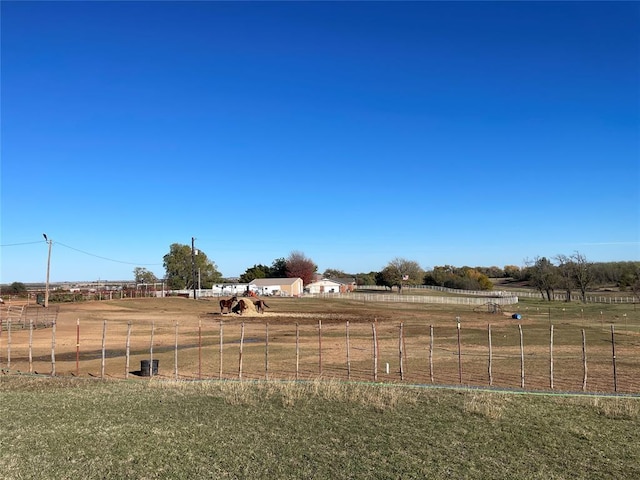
[(528, 294), (381, 297)]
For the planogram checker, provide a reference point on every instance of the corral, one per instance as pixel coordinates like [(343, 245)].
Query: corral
[(554, 346)]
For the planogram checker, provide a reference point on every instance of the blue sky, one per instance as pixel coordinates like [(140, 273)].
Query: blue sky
[(452, 133)]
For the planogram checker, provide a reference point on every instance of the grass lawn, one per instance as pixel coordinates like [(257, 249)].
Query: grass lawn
[(64, 428)]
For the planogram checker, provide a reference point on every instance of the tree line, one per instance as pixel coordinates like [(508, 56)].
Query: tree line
[(185, 268)]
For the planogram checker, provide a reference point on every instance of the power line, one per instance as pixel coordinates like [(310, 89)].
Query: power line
[(104, 258), (18, 244), (83, 252)]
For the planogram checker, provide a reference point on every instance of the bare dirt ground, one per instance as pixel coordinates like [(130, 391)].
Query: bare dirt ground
[(310, 338)]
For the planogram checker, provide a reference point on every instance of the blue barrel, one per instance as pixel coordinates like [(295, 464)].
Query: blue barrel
[(516, 316)]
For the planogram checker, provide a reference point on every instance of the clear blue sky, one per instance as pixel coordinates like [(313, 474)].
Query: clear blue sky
[(452, 133)]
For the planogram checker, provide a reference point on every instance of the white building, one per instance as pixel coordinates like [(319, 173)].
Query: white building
[(286, 287)]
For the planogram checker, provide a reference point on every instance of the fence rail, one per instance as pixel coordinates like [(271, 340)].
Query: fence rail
[(574, 297), (397, 298), (593, 359)]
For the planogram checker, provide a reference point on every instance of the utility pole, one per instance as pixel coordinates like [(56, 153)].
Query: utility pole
[(193, 265), (46, 288)]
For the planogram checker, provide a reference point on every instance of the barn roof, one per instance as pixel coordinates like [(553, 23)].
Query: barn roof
[(265, 282)]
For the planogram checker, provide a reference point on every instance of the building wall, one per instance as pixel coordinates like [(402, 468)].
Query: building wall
[(325, 286)]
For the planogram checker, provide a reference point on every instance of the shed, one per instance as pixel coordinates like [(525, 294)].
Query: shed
[(287, 287), (324, 286), (331, 285)]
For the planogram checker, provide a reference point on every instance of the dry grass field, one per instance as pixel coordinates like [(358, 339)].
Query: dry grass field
[(306, 338)]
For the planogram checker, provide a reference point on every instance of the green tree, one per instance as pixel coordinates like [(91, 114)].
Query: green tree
[(512, 271), (257, 271), (183, 269), (400, 271), (385, 278), (278, 268), (544, 276), (16, 288), (335, 273), (366, 278), (142, 275)]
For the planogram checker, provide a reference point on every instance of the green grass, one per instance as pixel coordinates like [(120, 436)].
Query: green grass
[(66, 428)]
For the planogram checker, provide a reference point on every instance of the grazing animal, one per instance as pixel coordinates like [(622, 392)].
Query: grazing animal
[(260, 304), (239, 307), (228, 304)]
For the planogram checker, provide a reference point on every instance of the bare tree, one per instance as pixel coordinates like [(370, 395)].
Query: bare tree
[(566, 270), (583, 273)]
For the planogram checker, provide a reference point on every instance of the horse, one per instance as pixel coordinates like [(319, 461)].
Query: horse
[(260, 304), (224, 303), (239, 307)]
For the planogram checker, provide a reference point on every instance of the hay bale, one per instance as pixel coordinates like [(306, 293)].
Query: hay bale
[(250, 308)]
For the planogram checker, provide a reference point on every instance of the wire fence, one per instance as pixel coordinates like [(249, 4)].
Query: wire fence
[(595, 358)]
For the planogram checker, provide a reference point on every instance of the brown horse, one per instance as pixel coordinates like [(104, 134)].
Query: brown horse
[(239, 307), (260, 304), (224, 303)]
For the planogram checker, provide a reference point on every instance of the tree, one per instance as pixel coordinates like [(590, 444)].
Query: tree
[(298, 265), (566, 269), (257, 271), (384, 278), (278, 268), (335, 273), (400, 271), (142, 275), (440, 275), (635, 283), (512, 271), (182, 268), (16, 288), (582, 276), (366, 278), (543, 275)]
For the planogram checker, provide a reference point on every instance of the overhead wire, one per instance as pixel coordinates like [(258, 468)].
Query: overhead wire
[(83, 252)]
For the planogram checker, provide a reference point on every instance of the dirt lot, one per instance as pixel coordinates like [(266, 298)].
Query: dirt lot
[(310, 338)]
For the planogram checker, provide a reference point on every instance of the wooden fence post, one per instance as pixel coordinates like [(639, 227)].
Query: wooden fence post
[(459, 353), (175, 353), (348, 353), (221, 345), (490, 355), (400, 351), (431, 352), (9, 345), (521, 357), (53, 349), (199, 349), (320, 347), (240, 353), (297, 350), (128, 350), (31, 345), (77, 347), (104, 342), (266, 351), (584, 362), (613, 351), (551, 357), (375, 353), (153, 329)]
